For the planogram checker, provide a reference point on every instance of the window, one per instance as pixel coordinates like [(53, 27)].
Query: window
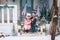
[(5, 15), (11, 15)]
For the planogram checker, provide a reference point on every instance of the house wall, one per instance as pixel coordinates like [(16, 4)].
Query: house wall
[(50, 3), (58, 3), (35, 3), (17, 2)]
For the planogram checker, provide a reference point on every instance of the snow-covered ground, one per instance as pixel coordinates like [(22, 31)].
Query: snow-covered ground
[(29, 38), (57, 37), (26, 38)]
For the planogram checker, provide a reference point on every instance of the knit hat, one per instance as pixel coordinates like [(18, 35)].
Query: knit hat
[(28, 14)]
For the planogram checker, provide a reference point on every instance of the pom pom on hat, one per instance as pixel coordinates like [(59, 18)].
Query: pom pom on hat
[(28, 14)]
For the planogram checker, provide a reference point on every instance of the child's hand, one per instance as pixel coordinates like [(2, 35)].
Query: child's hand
[(33, 19)]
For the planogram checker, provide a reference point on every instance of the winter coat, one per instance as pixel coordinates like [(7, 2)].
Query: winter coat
[(27, 24)]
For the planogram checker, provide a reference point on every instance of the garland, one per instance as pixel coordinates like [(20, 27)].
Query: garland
[(6, 6)]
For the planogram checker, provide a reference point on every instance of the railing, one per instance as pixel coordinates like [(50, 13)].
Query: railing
[(8, 16)]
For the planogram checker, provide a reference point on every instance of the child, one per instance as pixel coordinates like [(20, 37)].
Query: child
[(27, 23), (33, 23)]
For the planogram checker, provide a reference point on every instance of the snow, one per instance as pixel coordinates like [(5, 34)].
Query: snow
[(58, 37), (6, 28), (29, 37), (45, 37), (26, 38)]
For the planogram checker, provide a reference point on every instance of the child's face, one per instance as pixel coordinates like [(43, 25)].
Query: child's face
[(28, 17), (33, 14)]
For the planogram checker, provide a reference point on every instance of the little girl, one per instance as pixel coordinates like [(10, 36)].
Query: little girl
[(27, 23)]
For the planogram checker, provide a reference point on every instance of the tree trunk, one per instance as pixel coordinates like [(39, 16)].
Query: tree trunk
[(54, 11)]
